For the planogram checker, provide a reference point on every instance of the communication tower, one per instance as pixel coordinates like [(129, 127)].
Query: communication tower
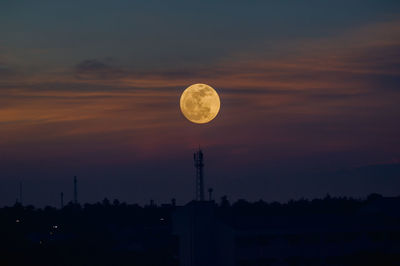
[(198, 164)]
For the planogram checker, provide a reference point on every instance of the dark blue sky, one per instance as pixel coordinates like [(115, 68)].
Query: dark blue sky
[(309, 93)]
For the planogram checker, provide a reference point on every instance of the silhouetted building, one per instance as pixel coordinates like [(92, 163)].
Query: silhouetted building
[(198, 230), (208, 237)]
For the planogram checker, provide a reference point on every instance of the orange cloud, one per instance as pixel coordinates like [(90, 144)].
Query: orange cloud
[(328, 87)]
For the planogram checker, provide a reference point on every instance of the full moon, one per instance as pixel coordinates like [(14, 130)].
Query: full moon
[(200, 103)]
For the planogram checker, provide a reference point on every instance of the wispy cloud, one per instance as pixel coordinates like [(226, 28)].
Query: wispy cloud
[(94, 69), (324, 92)]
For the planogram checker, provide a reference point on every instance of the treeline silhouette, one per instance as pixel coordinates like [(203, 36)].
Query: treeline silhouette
[(115, 233)]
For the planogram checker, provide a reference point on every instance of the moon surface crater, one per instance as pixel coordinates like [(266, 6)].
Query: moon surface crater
[(200, 103)]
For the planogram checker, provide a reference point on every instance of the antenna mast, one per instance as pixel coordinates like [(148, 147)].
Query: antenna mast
[(198, 163), (75, 190)]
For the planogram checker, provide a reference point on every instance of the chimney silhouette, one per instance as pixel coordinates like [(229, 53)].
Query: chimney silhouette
[(210, 191)]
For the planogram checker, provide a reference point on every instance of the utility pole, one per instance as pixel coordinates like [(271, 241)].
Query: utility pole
[(20, 193)]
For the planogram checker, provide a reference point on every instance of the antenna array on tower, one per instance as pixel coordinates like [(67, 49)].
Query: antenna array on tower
[(198, 163)]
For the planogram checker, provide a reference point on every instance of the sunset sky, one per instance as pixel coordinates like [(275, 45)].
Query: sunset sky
[(310, 99)]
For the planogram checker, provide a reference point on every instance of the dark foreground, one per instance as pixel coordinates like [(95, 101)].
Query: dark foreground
[(329, 231)]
